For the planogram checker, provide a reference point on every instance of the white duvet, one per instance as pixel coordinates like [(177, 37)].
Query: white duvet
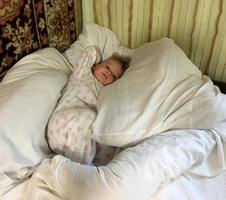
[(28, 95), (195, 110), (137, 172)]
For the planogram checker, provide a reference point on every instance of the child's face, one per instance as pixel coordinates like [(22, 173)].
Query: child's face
[(108, 71)]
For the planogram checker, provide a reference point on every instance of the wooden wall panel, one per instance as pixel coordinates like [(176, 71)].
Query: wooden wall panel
[(197, 26)]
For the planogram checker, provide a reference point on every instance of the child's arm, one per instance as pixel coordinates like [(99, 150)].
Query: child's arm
[(89, 57)]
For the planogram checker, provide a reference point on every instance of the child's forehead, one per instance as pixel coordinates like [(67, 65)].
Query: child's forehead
[(109, 59)]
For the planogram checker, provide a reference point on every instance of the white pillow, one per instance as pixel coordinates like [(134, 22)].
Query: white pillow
[(162, 90), (102, 38), (28, 95)]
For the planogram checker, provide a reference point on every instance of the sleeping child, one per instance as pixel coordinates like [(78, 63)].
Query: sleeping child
[(70, 126)]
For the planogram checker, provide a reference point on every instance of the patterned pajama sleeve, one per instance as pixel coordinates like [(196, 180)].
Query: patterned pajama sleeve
[(69, 129)]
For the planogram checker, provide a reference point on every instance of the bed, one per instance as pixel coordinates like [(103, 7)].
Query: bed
[(171, 140)]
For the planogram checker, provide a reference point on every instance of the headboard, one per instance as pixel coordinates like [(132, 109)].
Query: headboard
[(28, 25), (197, 26)]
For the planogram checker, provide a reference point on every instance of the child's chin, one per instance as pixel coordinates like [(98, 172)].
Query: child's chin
[(105, 84)]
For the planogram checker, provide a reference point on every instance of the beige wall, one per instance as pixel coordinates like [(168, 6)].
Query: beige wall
[(197, 26)]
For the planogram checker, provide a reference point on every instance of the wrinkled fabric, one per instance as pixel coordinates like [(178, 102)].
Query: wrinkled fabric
[(135, 173), (162, 90), (69, 128)]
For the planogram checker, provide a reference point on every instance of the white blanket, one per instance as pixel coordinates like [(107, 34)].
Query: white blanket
[(28, 95), (69, 128), (182, 100), (139, 171), (194, 188), (136, 173)]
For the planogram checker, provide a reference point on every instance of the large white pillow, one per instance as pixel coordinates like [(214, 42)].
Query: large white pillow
[(28, 95), (162, 90), (102, 38)]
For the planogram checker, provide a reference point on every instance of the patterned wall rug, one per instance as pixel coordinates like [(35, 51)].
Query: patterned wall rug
[(28, 25)]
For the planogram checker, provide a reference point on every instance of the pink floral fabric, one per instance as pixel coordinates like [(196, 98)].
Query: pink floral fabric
[(70, 127)]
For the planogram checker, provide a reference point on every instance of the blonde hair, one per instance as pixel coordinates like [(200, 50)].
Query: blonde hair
[(124, 60)]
